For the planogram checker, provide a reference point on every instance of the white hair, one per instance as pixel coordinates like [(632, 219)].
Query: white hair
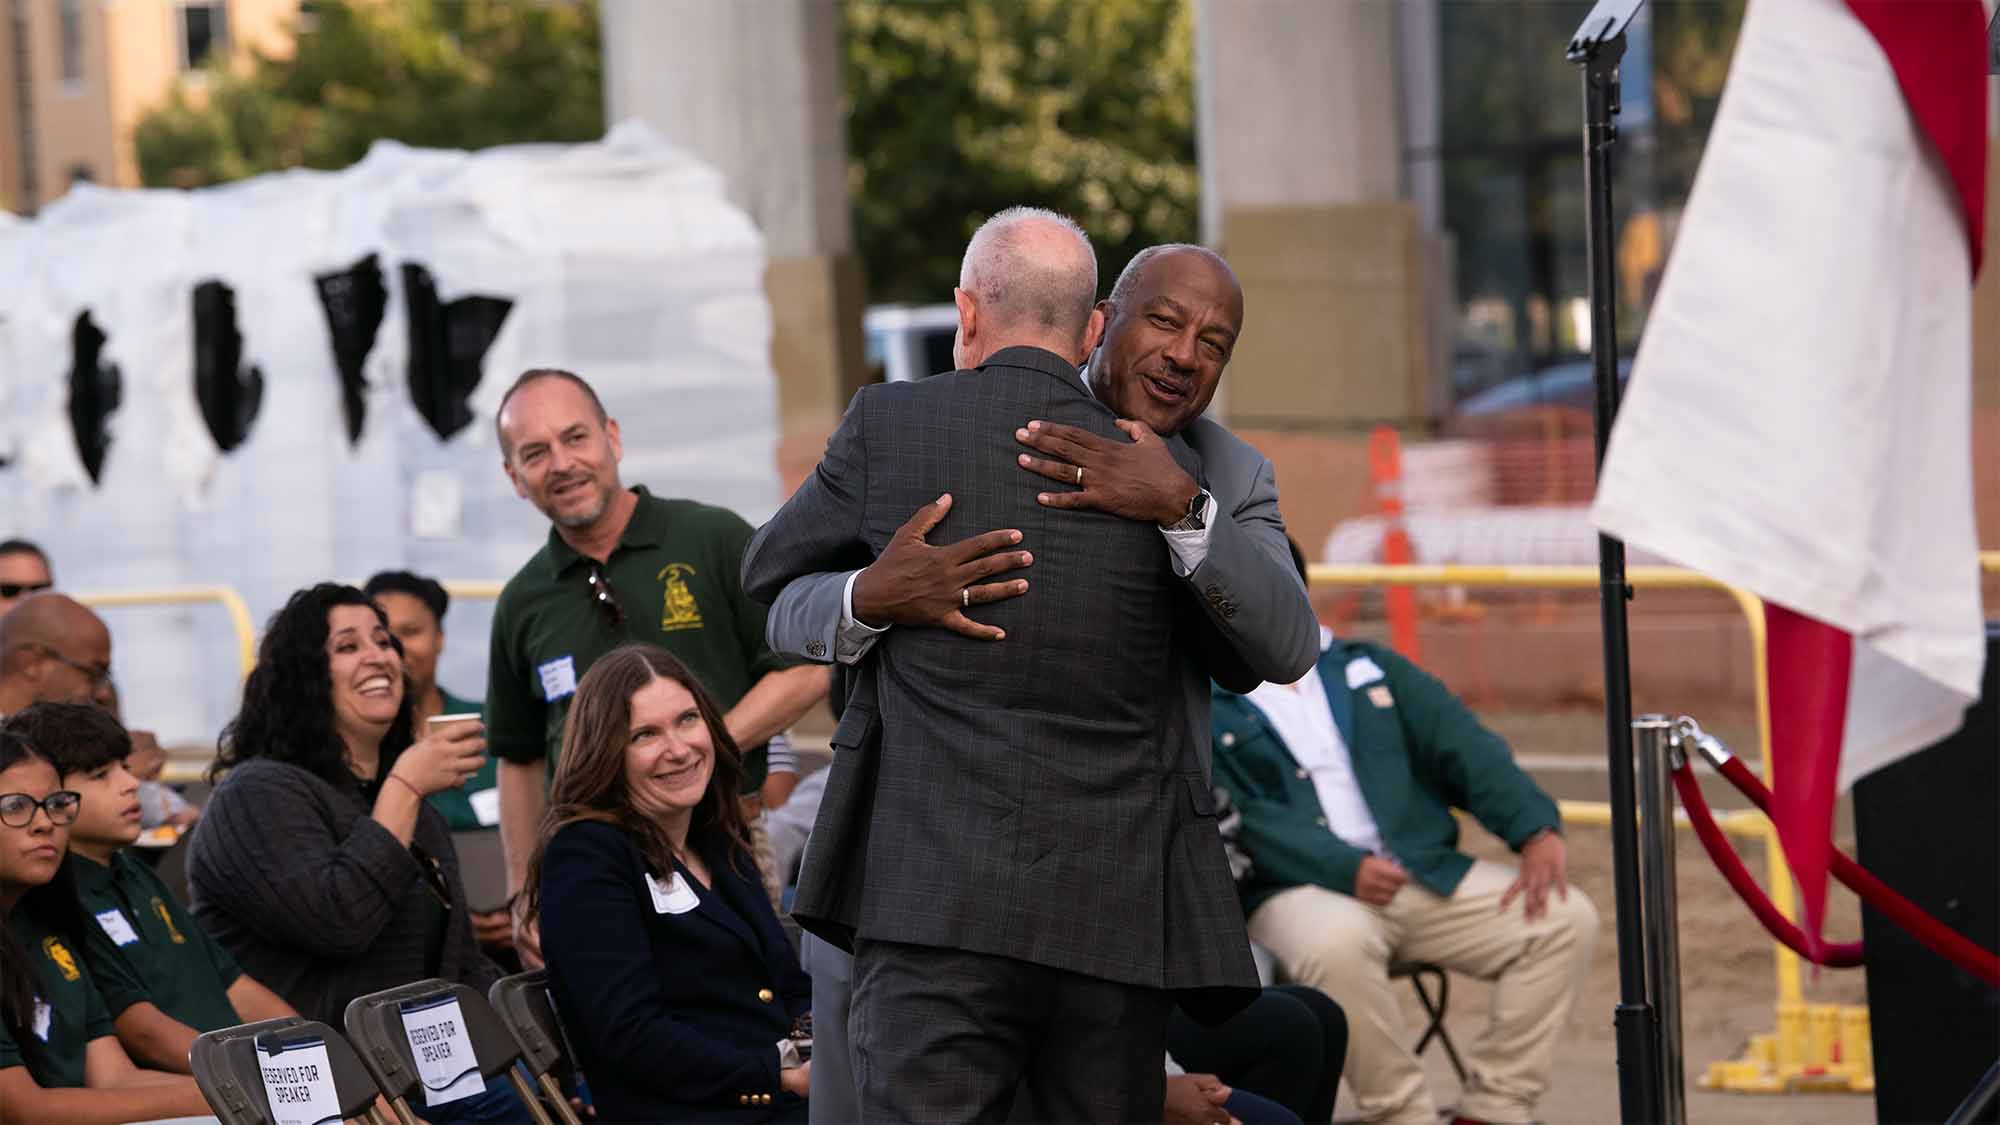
[(1021, 271)]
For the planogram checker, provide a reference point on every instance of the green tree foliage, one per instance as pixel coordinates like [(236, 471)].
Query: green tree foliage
[(439, 73), (959, 109)]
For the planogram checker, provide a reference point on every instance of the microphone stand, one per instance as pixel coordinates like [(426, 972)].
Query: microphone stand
[(1597, 47)]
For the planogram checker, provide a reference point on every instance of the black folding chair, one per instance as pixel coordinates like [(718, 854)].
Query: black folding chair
[(375, 1024), (228, 1069), (523, 1005), (1434, 1007)]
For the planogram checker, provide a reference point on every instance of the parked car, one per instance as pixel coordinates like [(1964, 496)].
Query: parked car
[(909, 342), (1561, 384)]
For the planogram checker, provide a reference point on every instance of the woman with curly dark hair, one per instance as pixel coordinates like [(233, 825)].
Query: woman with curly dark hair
[(318, 862), (676, 980)]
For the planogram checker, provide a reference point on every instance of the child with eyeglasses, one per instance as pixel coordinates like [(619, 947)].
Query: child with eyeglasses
[(163, 978), (59, 1060)]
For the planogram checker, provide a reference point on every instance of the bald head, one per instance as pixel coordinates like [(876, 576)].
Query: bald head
[(1029, 277), (53, 649)]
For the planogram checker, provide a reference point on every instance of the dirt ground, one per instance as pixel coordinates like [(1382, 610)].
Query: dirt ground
[(1728, 988)]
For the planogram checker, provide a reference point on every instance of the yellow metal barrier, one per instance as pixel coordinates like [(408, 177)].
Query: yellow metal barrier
[(230, 601), (181, 772), (1778, 879), (1816, 1047)]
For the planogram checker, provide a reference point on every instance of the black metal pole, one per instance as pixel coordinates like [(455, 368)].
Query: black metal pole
[(1640, 1092)]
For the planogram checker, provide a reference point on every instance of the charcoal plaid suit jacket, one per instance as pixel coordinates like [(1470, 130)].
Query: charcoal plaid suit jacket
[(1040, 799)]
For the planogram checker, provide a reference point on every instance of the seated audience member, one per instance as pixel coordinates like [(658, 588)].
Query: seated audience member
[(163, 979), (59, 1061), (158, 803), (317, 862), (1346, 781), (24, 570), (415, 606), (665, 958), (53, 649), (61, 652), (1286, 1048)]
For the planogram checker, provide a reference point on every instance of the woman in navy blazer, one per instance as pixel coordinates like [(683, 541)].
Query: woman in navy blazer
[(668, 965)]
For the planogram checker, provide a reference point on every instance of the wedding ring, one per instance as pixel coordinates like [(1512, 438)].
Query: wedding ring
[(965, 597), (1079, 476)]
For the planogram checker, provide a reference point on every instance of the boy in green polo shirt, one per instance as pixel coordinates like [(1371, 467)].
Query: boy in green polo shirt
[(163, 979), (58, 1058)]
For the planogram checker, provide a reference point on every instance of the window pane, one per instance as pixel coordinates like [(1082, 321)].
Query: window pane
[(70, 16), (205, 31)]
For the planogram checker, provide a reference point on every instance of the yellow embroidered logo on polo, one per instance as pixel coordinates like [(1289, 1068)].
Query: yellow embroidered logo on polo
[(160, 908), (681, 611), (64, 960)]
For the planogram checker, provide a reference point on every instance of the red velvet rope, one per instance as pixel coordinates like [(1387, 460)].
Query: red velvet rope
[(1839, 955), (1908, 916)]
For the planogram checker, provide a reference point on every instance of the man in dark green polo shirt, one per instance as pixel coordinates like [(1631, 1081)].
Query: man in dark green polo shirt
[(162, 978), (619, 565)]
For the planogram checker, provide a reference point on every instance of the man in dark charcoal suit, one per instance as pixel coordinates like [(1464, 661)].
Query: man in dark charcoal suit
[(1039, 843), (1171, 325)]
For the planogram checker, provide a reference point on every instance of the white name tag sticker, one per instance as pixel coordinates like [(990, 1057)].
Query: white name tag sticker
[(1361, 670), (485, 806), (116, 927), (44, 1015), (442, 1049), (298, 1082), (558, 678), (673, 896)]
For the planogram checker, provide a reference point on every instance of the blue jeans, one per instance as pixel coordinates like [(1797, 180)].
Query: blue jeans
[(498, 1105)]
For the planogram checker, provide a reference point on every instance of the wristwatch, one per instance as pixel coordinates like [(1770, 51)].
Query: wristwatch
[(1196, 517)]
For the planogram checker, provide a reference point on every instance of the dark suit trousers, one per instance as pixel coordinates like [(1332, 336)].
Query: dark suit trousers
[(944, 1035)]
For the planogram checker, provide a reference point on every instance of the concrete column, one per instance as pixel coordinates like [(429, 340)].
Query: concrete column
[(1317, 126), (755, 89), (1302, 152)]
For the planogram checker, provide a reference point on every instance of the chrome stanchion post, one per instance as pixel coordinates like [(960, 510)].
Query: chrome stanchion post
[(1657, 740)]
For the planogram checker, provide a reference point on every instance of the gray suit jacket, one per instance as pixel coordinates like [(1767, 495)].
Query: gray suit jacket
[(1247, 588), (1041, 799)]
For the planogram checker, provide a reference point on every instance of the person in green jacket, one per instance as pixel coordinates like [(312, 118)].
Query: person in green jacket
[(415, 606), (1346, 781)]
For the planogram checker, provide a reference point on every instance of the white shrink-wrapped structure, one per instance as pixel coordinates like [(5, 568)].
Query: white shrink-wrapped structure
[(621, 260)]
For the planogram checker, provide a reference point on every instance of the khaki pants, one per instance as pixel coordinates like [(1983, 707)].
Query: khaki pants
[(1343, 947)]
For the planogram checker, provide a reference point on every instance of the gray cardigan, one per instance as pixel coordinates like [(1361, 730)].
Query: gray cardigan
[(316, 899)]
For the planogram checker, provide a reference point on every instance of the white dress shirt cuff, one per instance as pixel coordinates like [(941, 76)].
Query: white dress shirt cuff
[(853, 639), (1189, 548)]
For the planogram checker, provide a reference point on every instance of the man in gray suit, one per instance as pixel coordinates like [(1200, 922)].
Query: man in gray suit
[(1175, 314)]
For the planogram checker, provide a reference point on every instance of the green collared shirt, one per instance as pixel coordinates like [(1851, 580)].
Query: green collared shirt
[(460, 807), (141, 946), (676, 575), (69, 1012)]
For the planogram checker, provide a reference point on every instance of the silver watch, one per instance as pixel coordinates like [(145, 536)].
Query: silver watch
[(1196, 517)]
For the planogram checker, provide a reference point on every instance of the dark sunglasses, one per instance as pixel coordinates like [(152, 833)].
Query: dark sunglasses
[(17, 810), (605, 599), (23, 589)]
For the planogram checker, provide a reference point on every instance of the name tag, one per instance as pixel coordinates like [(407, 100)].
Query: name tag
[(558, 678), (673, 896), (116, 927), (485, 806), (44, 1015), (1361, 670), (298, 1082), (443, 1050)]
